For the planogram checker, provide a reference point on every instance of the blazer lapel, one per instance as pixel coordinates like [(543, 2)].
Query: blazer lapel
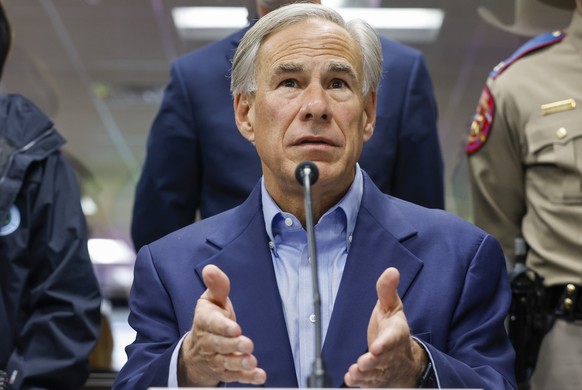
[(245, 257), (376, 246)]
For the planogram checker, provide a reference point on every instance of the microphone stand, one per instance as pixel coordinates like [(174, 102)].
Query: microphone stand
[(307, 174)]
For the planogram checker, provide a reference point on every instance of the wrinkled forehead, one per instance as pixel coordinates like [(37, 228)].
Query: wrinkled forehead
[(310, 38)]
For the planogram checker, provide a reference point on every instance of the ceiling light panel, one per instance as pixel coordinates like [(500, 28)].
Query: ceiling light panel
[(404, 24)]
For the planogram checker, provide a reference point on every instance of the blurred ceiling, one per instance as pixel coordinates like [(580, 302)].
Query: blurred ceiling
[(98, 67)]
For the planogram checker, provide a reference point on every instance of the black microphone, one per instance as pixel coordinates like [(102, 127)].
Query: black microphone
[(307, 174)]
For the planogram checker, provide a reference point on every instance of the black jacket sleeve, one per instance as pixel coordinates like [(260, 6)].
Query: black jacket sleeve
[(56, 323)]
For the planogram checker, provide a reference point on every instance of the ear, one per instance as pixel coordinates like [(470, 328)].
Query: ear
[(370, 115), (244, 115)]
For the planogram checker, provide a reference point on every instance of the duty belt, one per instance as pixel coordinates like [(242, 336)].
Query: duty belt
[(566, 301)]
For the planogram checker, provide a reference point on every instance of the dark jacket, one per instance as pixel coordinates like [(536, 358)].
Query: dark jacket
[(49, 307)]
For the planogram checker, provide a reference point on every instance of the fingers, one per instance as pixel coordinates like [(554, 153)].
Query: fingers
[(215, 350), (395, 368), (238, 367), (386, 320), (214, 312), (389, 362), (356, 377), (208, 359), (212, 344), (241, 368), (255, 377), (388, 329), (217, 284), (235, 367), (214, 319), (386, 288)]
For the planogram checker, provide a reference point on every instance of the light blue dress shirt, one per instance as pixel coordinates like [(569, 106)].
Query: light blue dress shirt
[(289, 250)]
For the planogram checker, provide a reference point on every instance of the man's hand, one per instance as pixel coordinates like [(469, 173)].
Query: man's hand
[(393, 359), (215, 350)]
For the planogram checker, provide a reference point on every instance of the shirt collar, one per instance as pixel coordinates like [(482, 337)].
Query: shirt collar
[(350, 204)]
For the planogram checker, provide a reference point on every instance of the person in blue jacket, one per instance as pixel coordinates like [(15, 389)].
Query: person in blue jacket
[(49, 296), (197, 162), (410, 296)]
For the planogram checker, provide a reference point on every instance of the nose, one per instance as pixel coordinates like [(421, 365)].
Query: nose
[(315, 105)]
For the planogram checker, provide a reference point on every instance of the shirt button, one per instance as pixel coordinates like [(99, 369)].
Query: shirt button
[(312, 318), (288, 222), (271, 244), (350, 238)]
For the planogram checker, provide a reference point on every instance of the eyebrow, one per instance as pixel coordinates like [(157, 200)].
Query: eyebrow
[(340, 67), (334, 67), (288, 67)]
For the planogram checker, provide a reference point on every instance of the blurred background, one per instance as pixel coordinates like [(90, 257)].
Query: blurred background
[(99, 67)]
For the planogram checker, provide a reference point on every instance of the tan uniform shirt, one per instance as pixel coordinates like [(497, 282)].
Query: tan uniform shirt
[(526, 178)]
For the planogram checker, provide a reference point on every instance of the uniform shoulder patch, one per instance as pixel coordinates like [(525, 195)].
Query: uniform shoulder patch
[(482, 121), (530, 46)]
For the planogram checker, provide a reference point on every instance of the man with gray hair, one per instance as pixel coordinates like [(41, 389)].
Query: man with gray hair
[(305, 89), (198, 165)]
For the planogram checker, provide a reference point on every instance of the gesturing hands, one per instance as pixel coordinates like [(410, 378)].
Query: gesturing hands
[(393, 359), (215, 350)]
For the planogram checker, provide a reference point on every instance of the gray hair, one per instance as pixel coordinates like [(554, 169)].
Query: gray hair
[(244, 64)]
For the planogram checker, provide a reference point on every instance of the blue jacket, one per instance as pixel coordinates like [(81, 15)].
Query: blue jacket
[(198, 161), (453, 285)]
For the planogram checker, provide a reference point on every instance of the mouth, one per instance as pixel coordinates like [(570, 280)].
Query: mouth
[(314, 141)]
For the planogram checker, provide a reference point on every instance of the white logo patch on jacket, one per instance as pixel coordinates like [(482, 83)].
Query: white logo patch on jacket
[(12, 221)]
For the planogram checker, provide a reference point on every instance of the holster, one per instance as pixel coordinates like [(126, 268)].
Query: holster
[(529, 319)]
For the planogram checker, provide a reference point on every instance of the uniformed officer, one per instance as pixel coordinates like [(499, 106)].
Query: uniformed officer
[(525, 159)]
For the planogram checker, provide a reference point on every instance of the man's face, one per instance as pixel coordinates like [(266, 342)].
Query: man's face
[(308, 106)]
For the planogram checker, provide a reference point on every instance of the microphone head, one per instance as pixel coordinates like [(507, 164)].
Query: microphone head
[(307, 168)]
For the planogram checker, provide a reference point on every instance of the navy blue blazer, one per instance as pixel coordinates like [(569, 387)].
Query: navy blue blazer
[(197, 160), (453, 285)]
